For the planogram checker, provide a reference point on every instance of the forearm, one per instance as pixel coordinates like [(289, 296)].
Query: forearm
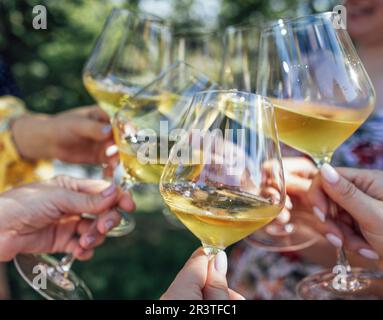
[(33, 137)]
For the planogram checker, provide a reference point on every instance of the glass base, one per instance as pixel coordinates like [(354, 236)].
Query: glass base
[(277, 237), (359, 284), (126, 226), (40, 272)]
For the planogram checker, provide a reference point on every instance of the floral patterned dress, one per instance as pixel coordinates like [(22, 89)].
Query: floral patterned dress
[(260, 274)]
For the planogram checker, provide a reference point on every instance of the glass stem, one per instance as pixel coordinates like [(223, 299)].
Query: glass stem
[(65, 264), (342, 268), (211, 251)]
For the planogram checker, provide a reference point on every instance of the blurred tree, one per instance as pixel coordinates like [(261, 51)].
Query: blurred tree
[(47, 64)]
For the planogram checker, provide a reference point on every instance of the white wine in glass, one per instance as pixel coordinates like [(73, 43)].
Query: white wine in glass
[(224, 179), (152, 113), (132, 49), (317, 129), (322, 94)]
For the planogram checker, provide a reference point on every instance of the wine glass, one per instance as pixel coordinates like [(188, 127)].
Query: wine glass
[(224, 177), (141, 128), (321, 92), (133, 48), (202, 49), (240, 52), (239, 71)]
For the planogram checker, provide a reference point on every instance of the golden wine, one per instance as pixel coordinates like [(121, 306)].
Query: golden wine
[(109, 94), (144, 112), (218, 217), (137, 171), (315, 129)]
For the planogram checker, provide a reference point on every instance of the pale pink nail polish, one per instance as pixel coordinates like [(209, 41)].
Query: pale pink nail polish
[(319, 214), (109, 191), (220, 263), (334, 240), (369, 254), (329, 173)]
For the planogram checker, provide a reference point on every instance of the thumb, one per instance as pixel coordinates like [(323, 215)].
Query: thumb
[(92, 129), (347, 195), (190, 280), (75, 202), (216, 287)]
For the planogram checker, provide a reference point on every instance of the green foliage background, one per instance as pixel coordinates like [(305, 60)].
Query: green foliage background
[(47, 65)]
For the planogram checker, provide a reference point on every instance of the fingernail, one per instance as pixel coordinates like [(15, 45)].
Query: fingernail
[(107, 129), (288, 204), (111, 150), (109, 225), (89, 240), (220, 263), (319, 214), (329, 174), (334, 240), (109, 191), (369, 254)]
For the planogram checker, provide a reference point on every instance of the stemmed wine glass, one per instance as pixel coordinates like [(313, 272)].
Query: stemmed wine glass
[(224, 177), (200, 48), (239, 62), (132, 50), (239, 71), (310, 70), (142, 127)]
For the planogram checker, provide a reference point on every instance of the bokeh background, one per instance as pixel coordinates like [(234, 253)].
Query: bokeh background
[(47, 66)]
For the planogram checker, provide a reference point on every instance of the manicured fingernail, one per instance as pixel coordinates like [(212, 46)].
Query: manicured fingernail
[(369, 254), (109, 191), (111, 150), (109, 225), (288, 204), (329, 173), (89, 240), (319, 214), (220, 263), (107, 129), (284, 216), (334, 240)]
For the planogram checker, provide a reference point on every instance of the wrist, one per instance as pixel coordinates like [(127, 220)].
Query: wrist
[(9, 241), (32, 136)]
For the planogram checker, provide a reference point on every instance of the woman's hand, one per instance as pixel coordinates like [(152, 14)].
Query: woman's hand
[(201, 279), (298, 172), (359, 221), (46, 216), (81, 135)]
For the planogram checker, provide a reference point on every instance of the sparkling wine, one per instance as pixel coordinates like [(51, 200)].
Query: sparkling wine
[(218, 217)]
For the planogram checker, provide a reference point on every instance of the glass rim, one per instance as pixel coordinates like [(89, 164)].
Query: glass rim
[(243, 93), (140, 14), (283, 22)]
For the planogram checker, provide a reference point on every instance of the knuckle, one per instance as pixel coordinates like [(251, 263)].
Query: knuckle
[(217, 287), (347, 190), (91, 203)]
